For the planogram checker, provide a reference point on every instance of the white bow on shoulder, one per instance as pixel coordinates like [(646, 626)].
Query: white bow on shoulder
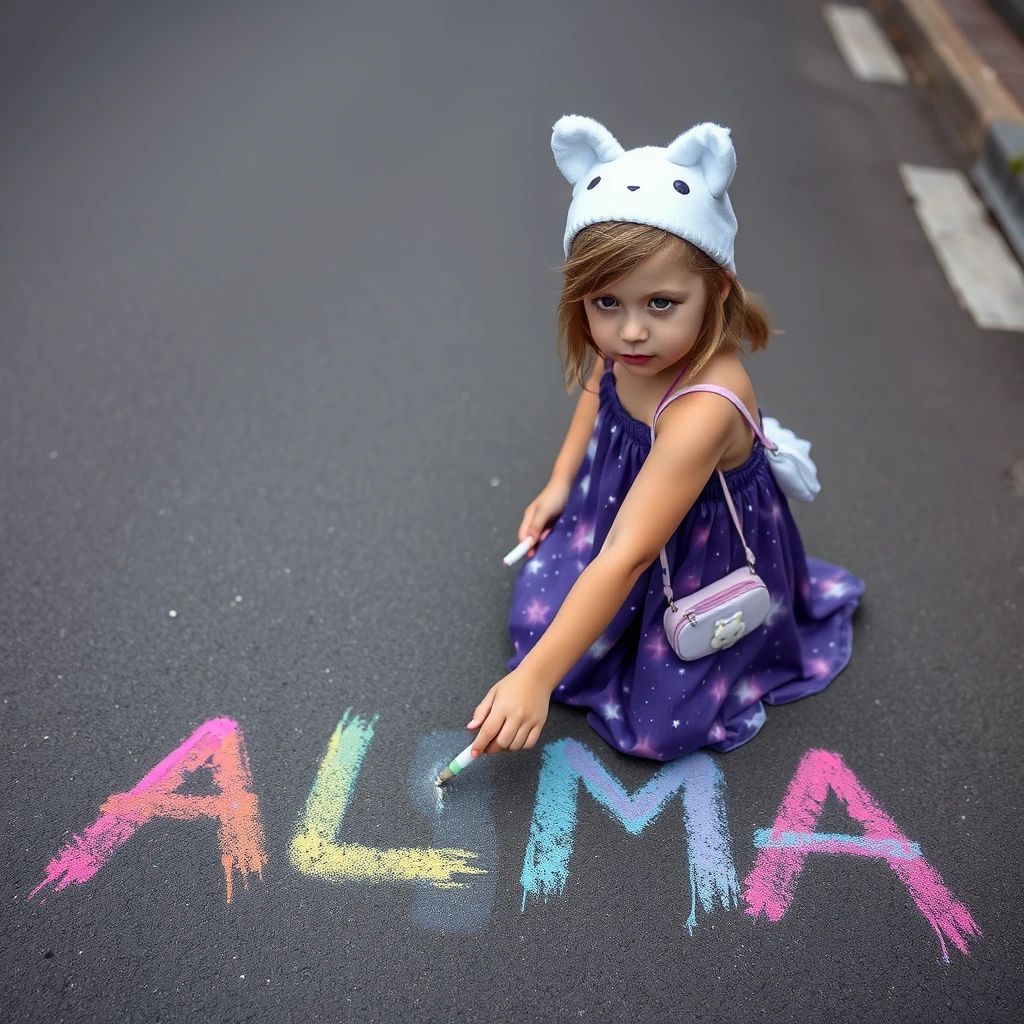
[(791, 462)]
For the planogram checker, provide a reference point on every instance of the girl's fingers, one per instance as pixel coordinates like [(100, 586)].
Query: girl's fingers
[(491, 727), (531, 740), (520, 740), (504, 737), (540, 530), (482, 709), (524, 526)]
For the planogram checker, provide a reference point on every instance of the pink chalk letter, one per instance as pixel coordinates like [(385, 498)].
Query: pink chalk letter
[(240, 831), (769, 887)]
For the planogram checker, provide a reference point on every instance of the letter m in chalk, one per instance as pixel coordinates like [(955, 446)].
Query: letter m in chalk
[(566, 763)]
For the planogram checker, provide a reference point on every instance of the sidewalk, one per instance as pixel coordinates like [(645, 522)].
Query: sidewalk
[(963, 50), (975, 63), (996, 43)]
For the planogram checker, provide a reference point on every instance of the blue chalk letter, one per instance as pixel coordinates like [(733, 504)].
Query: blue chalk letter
[(566, 763)]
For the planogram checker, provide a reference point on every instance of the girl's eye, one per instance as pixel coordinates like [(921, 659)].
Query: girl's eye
[(605, 302), (657, 304)]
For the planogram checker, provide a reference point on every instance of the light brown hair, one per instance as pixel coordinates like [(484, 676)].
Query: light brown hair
[(602, 253)]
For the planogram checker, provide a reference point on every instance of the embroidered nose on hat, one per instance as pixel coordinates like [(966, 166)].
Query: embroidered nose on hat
[(693, 204)]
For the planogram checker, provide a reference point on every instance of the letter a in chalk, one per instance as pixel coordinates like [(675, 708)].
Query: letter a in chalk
[(239, 831), (769, 887)]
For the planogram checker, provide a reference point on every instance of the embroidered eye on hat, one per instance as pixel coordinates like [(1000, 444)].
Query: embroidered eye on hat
[(680, 188)]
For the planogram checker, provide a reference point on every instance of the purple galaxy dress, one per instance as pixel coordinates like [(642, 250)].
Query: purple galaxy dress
[(643, 700)]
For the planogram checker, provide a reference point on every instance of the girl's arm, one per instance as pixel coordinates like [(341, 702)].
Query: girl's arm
[(693, 435), (574, 447), (689, 445)]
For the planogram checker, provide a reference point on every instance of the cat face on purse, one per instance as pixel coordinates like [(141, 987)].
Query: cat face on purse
[(728, 631)]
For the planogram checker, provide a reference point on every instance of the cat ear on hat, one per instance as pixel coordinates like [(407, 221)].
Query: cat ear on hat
[(709, 147), (580, 142)]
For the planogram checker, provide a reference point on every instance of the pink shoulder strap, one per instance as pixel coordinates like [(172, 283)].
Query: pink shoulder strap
[(666, 578), (715, 390)]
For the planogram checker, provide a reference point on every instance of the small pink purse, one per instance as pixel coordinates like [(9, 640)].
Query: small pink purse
[(719, 615)]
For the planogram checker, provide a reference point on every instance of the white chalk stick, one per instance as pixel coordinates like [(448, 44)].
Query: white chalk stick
[(519, 551)]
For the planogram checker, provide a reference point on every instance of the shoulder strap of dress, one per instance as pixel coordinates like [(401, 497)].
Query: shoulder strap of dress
[(715, 390)]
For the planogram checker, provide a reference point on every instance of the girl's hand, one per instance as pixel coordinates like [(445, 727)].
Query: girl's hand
[(511, 716), (543, 511)]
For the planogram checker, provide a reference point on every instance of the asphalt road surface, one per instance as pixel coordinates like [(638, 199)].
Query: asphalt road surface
[(278, 376)]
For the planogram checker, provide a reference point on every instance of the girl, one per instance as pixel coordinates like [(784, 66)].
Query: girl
[(650, 296)]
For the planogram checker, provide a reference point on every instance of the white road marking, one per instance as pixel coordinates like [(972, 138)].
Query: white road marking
[(983, 273), (864, 45)]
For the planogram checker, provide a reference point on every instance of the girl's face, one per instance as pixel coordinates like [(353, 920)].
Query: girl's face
[(650, 319)]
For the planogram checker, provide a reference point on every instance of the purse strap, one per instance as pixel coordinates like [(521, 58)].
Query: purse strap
[(758, 432)]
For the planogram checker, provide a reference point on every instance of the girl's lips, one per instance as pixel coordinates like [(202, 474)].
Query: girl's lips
[(636, 360)]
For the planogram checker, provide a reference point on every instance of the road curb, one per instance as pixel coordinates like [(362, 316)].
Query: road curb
[(985, 112), (998, 179), (969, 89)]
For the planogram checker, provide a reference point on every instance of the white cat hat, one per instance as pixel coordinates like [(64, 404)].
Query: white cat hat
[(680, 188)]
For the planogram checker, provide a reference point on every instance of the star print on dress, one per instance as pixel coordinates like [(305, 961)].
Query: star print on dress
[(748, 690), (613, 712), (700, 536), (836, 587), (645, 747), (534, 566), (656, 645), (536, 613), (600, 647), (818, 667), (585, 486), (583, 537), (717, 690)]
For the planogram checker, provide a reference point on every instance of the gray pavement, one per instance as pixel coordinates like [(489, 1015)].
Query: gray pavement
[(278, 355)]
